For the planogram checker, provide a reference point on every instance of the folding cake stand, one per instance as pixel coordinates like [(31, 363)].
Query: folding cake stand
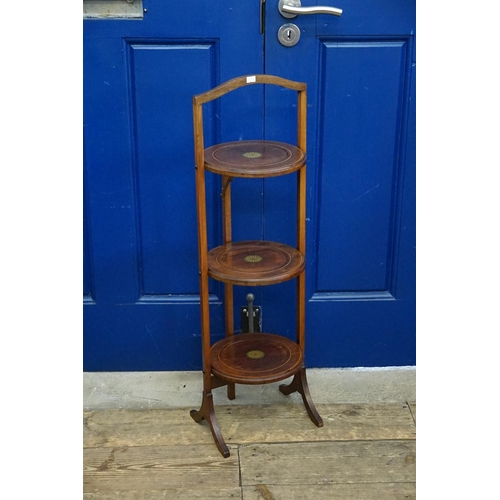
[(250, 358)]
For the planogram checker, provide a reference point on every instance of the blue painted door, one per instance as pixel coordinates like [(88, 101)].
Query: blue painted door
[(141, 307), (141, 282), (361, 181)]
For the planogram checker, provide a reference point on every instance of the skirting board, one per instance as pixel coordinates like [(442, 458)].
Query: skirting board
[(143, 390)]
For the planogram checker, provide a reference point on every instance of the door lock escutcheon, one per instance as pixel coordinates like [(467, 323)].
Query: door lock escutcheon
[(289, 34)]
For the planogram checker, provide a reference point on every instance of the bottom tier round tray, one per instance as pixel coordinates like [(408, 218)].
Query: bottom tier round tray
[(255, 358)]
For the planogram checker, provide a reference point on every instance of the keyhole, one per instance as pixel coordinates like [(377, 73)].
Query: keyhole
[(288, 34)]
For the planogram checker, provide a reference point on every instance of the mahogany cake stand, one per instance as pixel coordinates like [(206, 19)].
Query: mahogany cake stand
[(250, 358)]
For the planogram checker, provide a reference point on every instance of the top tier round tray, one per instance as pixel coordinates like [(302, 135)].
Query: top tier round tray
[(253, 159)]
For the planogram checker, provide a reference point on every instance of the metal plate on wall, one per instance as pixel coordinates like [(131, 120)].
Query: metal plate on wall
[(113, 9)]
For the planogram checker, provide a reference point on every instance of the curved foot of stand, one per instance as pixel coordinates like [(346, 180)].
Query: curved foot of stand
[(207, 412), (299, 384)]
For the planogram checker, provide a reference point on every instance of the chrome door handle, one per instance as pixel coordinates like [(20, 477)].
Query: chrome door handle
[(292, 8)]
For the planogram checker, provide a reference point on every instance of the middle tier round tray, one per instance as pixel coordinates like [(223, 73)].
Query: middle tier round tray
[(254, 263), (255, 358)]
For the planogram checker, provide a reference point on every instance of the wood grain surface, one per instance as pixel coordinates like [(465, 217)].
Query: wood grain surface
[(254, 263), (255, 358), (253, 159), (363, 452)]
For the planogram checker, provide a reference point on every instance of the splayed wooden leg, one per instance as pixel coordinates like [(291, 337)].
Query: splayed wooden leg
[(207, 412), (299, 384)]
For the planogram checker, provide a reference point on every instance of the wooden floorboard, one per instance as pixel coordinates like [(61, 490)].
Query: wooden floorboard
[(249, 424), (364, 451), (168, 494), (328, 462), (362, 491), (158, 467)]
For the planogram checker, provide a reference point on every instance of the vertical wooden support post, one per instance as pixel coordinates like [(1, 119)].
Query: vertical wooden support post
[(202, 240), (299, 383), (301, 217), (206, 412), (228, 288)]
